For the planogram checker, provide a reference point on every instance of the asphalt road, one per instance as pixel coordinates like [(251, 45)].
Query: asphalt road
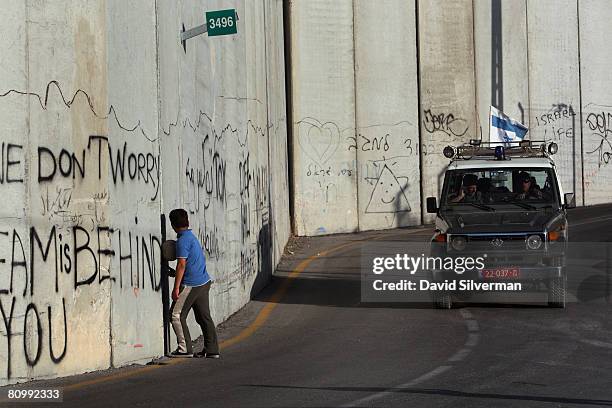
[(322, 347)]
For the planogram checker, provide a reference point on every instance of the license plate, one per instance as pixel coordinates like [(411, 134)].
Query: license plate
[(501, 273)]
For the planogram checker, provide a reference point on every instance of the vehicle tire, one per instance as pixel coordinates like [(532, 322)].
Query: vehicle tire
[(556, 292), (443, 300)]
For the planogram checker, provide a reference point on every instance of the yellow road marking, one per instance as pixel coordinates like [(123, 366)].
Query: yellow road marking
[(263, 315), (260, 319)]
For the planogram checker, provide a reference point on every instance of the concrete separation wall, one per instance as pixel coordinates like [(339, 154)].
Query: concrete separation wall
[(355, 116), (107, 122), (596, 89), (324, 175), (543, 62), (386, 139), (447, 86), (554, 86)]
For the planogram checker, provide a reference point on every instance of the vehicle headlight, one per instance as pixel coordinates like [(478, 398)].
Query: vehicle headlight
[(534, 242), (458, 243)]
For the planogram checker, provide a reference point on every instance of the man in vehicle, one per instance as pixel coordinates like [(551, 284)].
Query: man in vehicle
[(528, 190), (468, 193)]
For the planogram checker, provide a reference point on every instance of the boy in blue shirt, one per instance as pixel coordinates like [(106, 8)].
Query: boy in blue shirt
[(191, 290)]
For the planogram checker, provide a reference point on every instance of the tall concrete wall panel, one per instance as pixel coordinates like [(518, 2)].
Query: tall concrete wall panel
[(14, 211), (448, 114), (500, 46), (277, 127), (543, 62), (386, 139), (554, 87), (596, 80), (132, 86), (219, 136), (323, 85), (53, 303), (108, 123)]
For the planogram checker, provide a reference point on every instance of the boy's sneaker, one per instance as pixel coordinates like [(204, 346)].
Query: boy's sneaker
[(180, 354), (203, 354)]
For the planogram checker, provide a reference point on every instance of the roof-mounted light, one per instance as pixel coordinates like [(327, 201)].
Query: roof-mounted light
[(499, 152), (448, 152), (553, 148), (475, 142)]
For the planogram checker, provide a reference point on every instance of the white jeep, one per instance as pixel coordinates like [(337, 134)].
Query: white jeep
[(507, 202)]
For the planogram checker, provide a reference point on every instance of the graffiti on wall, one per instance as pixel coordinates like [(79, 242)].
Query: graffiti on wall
[(72, 246), (599, 129), (385, 162), (444, 122)]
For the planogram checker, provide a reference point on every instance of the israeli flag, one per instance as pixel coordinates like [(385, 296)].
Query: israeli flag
[(505, 129)]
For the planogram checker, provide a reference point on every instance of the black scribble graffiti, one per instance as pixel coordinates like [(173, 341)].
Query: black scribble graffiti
[(81, 254), (10, 157), (315, 170), (603, 150), (600, 124), (57, 202), (75, 255), (240, 99), (374, 143), (320, 141), (101, 196), (563, 108), (352, 142), (32, 317), (112, 112), (43, 101), (377, 125), (186, 123), (397, 164), (556, 123), (446, 123), (206, 176), (401, 122), (368, 143), (555, 113), (388, 195), (408, 145)]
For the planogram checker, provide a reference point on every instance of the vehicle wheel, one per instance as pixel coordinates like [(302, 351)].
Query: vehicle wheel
[(443, 300), (556, 292)]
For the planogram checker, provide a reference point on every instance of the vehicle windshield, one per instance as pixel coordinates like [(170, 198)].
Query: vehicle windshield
[(526, 188)]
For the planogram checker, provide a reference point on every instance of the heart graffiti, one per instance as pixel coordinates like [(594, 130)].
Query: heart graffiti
[(318, 140)]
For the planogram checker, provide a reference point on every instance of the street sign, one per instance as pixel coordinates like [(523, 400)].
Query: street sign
[(221, 22)]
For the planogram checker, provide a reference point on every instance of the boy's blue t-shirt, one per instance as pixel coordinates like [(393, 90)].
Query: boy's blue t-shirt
[(188, 247)]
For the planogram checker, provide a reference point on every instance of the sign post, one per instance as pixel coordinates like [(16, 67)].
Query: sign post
[(221, 22)]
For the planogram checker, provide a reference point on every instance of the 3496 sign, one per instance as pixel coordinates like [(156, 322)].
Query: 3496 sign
[(221, 22)]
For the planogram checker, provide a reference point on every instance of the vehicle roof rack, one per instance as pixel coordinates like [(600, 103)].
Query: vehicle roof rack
[(502, 151)]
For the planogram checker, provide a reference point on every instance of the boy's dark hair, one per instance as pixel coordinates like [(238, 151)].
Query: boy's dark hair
[(179, 218)]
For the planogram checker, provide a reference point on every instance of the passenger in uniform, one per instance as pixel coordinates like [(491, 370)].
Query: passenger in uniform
[(468, 193), (528, 190)]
